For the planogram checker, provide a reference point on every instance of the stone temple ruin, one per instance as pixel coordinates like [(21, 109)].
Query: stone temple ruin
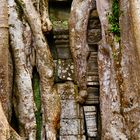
[(77, 122)]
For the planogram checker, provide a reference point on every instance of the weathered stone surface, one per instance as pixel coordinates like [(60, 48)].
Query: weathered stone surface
[(63, 53), (70, 127), (65, 70), (79, 137), (71, 113), (90, 117), (67, 91), (62, 41), (94, 36), (93, 78), (63, 36), (72, 119), (93, 83), (69, 109), (92, 66), (93, 96), (94, 24)]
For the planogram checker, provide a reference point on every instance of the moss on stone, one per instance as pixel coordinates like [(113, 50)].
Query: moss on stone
[(76, 91), (37, 99), (60, 24)]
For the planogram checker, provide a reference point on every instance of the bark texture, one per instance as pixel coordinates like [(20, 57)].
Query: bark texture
[(6, 132), (78, 22), (4, 61), (23, 93), (119, 83), (135, 14), (41, 58)]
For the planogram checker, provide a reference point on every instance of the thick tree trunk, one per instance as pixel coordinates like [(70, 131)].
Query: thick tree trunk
[(4, 60), (23, 103), (45, 67), (135, 14), (130, 68), (119, 83), (78, 22), (118, 62), (6, 132)]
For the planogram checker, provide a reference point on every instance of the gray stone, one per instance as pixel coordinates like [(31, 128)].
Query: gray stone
[(69, 109), (90, 117), (70, 127), (94, 24), (65, 37), (77, 137), (63, 53), (67, 91), (93, 96), (94, 36), (65, 70), (62, 41), (92, 66), (93, 83), (93, 78)]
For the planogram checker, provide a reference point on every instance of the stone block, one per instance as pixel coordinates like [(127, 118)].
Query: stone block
[(69, 109), (71, 137), (93, 96), (71, 127), (67, 91), (62, 41), (92, 66), (90, 118), (93, 78), (63, 37), (93, 90), (63, 52), (94, 36), (95, 72), (93, 83), (94, 24), (65, 70)]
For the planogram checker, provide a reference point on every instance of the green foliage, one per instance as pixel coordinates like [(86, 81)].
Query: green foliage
[(60, 24), (114, 19), (37, 99)]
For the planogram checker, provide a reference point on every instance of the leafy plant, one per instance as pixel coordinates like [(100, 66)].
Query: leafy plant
[(114, 18)]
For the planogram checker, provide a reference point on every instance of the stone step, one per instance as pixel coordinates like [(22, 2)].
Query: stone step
[(63, 36), (90, 118), (57, 42), (93, 96), (92, 73), (73, 137), (61, 45), (92, 78), (58, 31), (92, 83)]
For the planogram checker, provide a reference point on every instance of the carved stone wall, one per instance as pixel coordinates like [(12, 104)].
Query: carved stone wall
[(77, 122)]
